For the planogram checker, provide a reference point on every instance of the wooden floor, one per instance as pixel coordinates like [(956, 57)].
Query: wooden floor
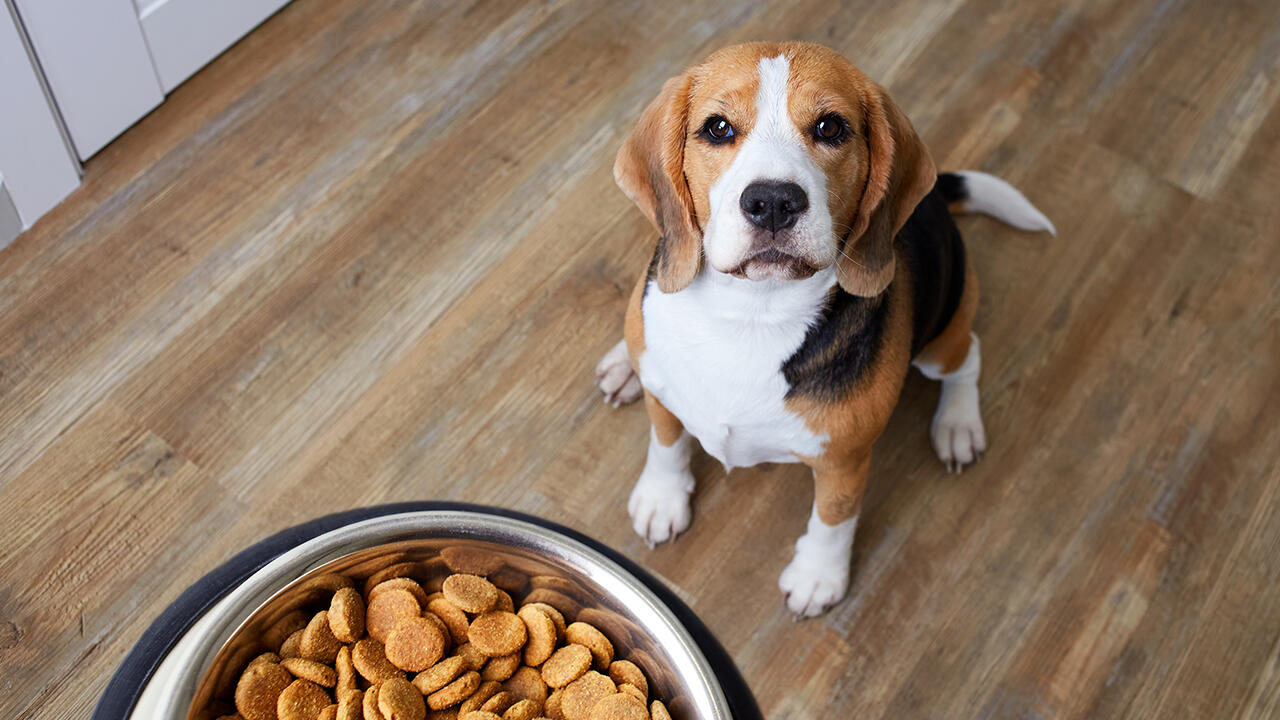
[(374, 251)]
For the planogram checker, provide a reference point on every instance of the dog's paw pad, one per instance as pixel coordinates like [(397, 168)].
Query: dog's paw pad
[(659, 513), (811, 586), (615, 377)]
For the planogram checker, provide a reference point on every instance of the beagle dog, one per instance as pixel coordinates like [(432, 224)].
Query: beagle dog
[(806, 260)]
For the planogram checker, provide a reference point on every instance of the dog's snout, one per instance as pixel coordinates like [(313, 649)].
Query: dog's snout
[(773, 206)]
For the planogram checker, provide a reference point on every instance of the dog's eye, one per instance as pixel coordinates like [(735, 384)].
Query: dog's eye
[(831, 129), (717, 130)]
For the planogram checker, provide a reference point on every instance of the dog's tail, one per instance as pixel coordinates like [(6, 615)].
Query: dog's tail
[(970, 191)]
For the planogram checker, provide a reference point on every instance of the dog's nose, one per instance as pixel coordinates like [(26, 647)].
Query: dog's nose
[(773, 206)]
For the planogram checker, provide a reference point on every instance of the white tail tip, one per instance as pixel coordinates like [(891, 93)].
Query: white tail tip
[(992, 196)]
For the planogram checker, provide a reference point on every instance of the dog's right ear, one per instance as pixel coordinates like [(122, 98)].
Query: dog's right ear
[(650, 170)]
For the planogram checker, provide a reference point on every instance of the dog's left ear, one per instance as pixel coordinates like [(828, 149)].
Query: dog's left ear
[(901, 174), (650, 170)]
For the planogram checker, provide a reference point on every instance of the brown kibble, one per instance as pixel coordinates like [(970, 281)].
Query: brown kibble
[(497, 633), (259, 689), (453, 617), (450, 713), (329, 713), (567, 664), (387, 609), (415, 644), (619, 706), (472, 655), (581, 695), (557, 618), (625, 671), (501, 668), (403, 569), (346, 615), (351, 706), (633, 691), (478, 698), (267, 657), (594, 640), (504, 603), (370, 659), (290, 647), (552, 708), (274, 636), (472, 560), (527, 684), (471, 593), (346, 673), (542, 635), (401, 583), (371, 711), (455, 692), (398, 700), (658, 711), (444, 629), (301, 700), (499, 703), (317, 641), (318, 673), (565, 604), (440, 674), (479, 715), (510, 580), (523, 710)]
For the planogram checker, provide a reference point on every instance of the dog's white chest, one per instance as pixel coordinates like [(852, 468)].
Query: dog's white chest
[(713, 356)]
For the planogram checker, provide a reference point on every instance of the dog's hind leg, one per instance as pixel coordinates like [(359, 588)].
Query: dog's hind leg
[(616, 378)]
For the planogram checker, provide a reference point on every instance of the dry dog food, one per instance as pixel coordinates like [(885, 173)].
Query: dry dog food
[(455, 648)]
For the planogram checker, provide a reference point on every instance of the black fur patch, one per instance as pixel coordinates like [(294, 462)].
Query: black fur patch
[(952, 187)]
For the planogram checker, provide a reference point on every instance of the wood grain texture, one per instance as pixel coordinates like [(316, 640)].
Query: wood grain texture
[(374, 251)]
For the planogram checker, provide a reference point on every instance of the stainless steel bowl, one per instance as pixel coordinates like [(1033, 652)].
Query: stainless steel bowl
[(200, 669)]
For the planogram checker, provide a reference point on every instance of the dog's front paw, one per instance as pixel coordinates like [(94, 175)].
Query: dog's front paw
[(811, 584), (616, 378), (957, 432), (659, 507)]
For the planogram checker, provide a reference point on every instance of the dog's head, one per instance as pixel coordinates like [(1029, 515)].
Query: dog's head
[(775, 161)]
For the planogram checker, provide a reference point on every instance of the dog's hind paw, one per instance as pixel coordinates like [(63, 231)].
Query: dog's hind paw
[(615, 377)]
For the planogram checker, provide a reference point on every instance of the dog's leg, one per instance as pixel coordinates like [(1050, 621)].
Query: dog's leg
[(818, 575), (957, 432), (616, 378), (659, 504)]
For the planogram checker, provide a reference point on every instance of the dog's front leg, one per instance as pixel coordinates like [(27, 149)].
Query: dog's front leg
[(659, 504), (818, 575)]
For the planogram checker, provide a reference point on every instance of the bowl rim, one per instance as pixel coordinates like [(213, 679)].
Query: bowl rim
[(206, 638)]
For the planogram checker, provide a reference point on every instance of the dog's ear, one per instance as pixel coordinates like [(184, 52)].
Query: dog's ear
[(901, 173), (650, 170)]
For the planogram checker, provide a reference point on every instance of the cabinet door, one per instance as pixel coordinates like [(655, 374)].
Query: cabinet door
[(186, 34)]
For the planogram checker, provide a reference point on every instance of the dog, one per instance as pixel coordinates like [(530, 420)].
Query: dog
[(807, 258)]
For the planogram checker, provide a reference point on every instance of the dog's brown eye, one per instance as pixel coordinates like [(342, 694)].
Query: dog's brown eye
[(831, 129), (717, 130)]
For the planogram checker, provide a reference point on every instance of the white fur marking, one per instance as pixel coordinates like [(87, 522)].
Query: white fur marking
[(992, 196), (818, 575), (957, 432), (659, 503), (615, 378)]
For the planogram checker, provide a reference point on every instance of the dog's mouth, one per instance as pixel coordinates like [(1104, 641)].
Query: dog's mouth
[(773, 264)]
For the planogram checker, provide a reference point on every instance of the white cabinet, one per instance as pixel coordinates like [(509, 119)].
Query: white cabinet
[(186, 34)]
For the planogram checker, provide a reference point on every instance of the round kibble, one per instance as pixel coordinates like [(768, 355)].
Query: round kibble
[(398, 700), (565, 604), (633, 691), (557, 618), (527, 684), (301, 700), (581, 695), (318, 673), (471, 593), (504, 603), (329, 713), (346, 615), (453, 617), (387, 609), (403, 569), (318, 642), (625, 671), (351, 706), (259, 689), (497, 633), (619, 706), (371, 711), (594, 640), (471, 655), (264, 657), (566, 665), (415, 644), (479, 697), (523, 710), (542, 635), (289, 648), (413, 587), (455, 692), (440, 674), (291, 623), (658, 711), (501, 668), (346, 673), (474, 561), (479, 715), (499, 703), (370, 660)]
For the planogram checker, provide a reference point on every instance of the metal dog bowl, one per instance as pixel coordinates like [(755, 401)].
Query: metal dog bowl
[(185, 665)]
